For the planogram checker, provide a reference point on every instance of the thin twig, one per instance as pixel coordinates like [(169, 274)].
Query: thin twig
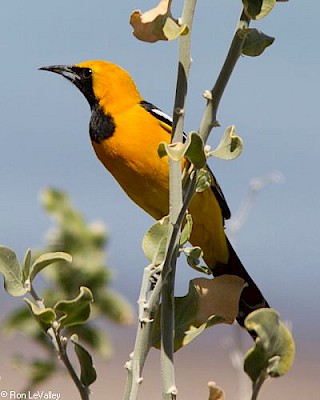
[(60, 347), (209, 119), (62, 344)]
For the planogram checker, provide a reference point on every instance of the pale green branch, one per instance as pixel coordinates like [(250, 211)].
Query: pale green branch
[(209, 119), (60, 345), (169, 390), (147, 310)]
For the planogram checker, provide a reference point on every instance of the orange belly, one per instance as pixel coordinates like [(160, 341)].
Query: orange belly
[(144, 177)]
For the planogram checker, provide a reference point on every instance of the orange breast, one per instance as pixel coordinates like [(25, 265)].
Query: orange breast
[(131, 157)]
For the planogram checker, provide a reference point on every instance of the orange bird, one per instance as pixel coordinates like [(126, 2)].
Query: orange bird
[(125, 132)]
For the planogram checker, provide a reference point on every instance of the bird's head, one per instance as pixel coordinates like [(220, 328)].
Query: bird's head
[(102, 83)]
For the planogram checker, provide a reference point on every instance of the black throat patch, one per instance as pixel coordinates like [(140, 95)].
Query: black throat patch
[(102, 125)]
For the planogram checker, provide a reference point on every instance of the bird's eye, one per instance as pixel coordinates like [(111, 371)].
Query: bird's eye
[(86, 73)]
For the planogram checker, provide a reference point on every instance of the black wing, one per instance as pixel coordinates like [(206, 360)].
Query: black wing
[(166, 122)]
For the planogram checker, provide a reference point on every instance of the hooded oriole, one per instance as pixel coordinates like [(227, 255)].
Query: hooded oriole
[(125, 132)]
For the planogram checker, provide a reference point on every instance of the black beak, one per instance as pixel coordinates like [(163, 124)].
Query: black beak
[(80, 77), (65, 70)]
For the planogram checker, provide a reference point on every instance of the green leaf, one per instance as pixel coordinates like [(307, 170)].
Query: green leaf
[(230, 145), (208, 302), (10, 269), (186, 230), (154, 243), (75, 311), (193, 252), (195, 150), (26, 264), (45, 316), (193, 258), (88, 373), (256, 42), (172, 30), (46, 259), (195, 264), (274, 349), (257, 9), (175, 151), (203, 180)]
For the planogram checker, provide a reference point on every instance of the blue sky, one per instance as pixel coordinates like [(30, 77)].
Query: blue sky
[(273, 100)]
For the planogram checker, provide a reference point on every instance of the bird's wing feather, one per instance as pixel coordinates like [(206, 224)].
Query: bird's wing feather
[(166, 122)]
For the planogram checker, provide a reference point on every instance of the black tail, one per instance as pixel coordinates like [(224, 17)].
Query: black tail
[(251, 298)]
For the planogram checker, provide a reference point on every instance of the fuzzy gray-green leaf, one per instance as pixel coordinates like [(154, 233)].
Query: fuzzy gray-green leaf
[(230, 145), (203, 180), (26, 264), (46, 259), (45, 316), (274, 349), (155, 241), (186, 230), (87, 371), (75, 311), (195, 150), (11, 271)]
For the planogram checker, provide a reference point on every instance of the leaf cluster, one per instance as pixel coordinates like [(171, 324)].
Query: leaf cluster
[(69, 278), (18, 280), (158, 23), (255, 41)]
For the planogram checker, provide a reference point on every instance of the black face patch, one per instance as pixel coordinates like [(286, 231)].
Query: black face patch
[(102, 125), (84, 83)]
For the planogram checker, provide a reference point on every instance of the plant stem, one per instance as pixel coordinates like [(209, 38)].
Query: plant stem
[(55, 338), (148, 305), (184, 65), (169, 390), (62, 344), (147, 310), (209, 119), (257, 386), (165, 283)]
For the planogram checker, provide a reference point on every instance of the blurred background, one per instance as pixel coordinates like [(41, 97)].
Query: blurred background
[(272, 100)]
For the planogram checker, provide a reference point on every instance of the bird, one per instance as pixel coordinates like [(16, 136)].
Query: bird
[(125, 132)]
